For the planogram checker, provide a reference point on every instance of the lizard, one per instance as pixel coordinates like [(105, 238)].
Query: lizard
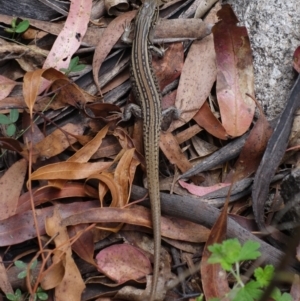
[(146, 91)]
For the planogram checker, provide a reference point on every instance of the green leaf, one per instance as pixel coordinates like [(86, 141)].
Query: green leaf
[(63, 70), (11, 130), (13, 115), (73, 63), (33, 264), (13, 23), (249, 251), (4, 119), (18, 292), (20, 264), (42, 295), (226, 253), (249, 292), (264, 275), (22, 26), (14, 297), (277, 296), (78, 68), (22, 275), (9, 30), (11, 297)]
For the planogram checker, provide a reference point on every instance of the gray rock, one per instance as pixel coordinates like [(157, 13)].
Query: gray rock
[(274, 30)]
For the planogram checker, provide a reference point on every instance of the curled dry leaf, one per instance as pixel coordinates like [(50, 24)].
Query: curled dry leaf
[(235, 73), (113, 7), (71, 286), (84, 154)]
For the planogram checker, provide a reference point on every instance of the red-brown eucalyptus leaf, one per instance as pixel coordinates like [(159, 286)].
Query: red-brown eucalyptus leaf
[(123, 262), (296, 59), (111, 35), (171, 148), (49, 193), (197, 78), (206, 119), (252, 150), (83, 246), (169, 67), (170, 227), (235, 73), (11, 144), (84, 154), (20, 227), (58, 141), (200, 190), (31, 87), (6, 86), (124, 174), (11, 184), (68, 170), (214, 278)]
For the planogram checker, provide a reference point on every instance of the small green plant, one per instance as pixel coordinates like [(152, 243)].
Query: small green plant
[(17, 28), (23, 266), (73, 66), (16, 296), (9, 122), (229, 255), (40, 294)]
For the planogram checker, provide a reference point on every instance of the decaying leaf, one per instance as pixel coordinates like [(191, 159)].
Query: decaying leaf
[(235, 73)]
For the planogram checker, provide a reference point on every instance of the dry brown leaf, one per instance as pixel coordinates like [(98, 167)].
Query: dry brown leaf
[(6, 86), (109, 38), (170, 147), (235, 73), (83, 246), (71, 286), (69, 170), (123, 262), (170, 227), (31, 88), (206, 119), (58, 140), (197, 78), (11, 184), (214, 278)]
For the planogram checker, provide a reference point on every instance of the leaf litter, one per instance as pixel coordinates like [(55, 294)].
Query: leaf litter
[(72, 169)]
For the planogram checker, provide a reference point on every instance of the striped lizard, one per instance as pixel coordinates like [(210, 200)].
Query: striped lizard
[(147, 93)]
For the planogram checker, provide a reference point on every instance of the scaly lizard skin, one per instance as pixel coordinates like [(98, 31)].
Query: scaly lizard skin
[(147, 93)]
